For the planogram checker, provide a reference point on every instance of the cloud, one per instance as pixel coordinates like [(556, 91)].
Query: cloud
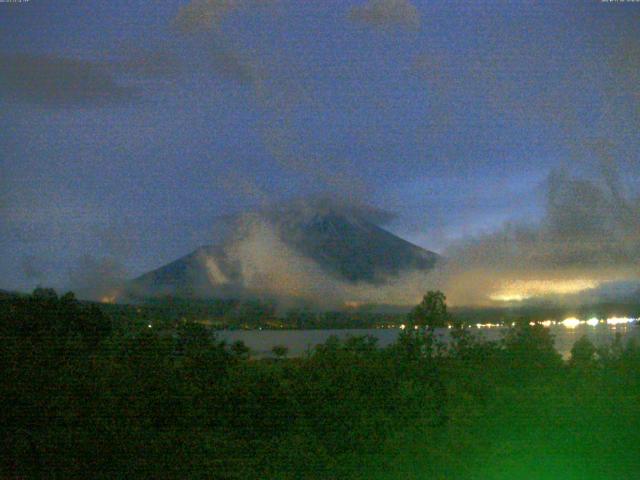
[(269, 266), (200, 15), (203, 15), (145, 63), (304, 208), (57, 81), (387, 13), (277, 98), (590, 235), (624, 63), (202, 19), (232, 63)]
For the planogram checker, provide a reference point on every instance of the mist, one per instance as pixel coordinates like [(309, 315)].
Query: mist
[(97, 279), (585, 248), (589, 236)]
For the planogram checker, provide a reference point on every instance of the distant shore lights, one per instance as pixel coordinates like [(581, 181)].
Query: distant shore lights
[(573, 322), (593, 321), (570, 322), (620, 320)]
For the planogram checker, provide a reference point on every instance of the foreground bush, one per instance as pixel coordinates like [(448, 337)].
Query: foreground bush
[(80, 399)]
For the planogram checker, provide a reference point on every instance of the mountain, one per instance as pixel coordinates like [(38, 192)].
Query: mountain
[(296, 252), (351, 247)]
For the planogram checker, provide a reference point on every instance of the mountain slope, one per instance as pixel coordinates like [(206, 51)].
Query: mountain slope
[(354, 249), (292, 250)]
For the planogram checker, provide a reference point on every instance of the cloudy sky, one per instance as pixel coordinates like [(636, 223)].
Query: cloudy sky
[(129, 128)]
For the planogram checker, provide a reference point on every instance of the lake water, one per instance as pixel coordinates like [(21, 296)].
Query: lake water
[(260, 342)]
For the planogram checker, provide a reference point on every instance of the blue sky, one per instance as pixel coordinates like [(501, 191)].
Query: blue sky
[(129, 127)]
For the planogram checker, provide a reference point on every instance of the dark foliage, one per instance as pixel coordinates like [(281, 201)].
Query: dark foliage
[(81, 399)]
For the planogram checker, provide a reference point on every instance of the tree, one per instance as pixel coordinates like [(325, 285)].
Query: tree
[(192, 336), (431, 312), (531, 349), (280, 351), (240, 350), (583, 353), (42, 293)]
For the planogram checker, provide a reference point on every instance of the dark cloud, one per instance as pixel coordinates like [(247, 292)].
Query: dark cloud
[(146, 63), (607, 292), (625, 68), (232, 63), (203, 15), (201, 19), (57, 81), (323, 205), (310, 206), (387, 13), (199, 15)]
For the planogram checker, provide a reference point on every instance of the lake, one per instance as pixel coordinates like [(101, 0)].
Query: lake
[(260, 342)]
